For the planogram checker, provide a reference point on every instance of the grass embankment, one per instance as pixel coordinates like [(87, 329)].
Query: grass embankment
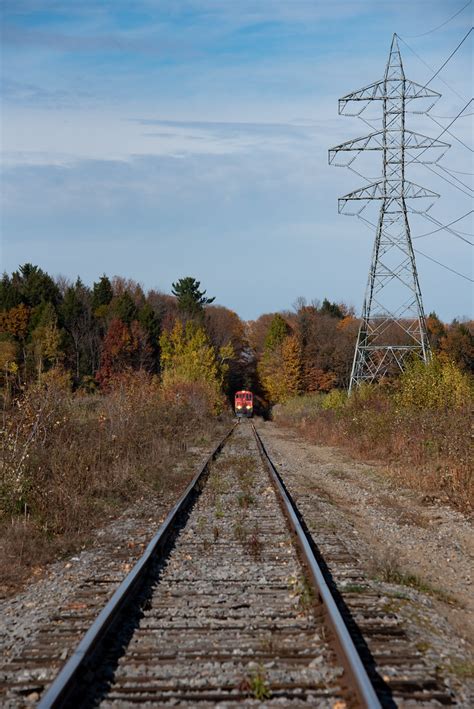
[(70, 461), (418, 426)]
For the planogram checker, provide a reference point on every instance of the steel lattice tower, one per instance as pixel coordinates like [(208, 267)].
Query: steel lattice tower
[(393, 325)]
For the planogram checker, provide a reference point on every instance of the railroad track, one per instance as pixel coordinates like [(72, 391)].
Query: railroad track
[(227, 606)]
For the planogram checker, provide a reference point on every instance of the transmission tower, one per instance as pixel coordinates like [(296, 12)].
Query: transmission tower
[(393, 324)]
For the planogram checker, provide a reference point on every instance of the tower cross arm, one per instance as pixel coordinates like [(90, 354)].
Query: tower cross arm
[(372, 92), (384, 189), (373, 141), (378, 140), (413, 90), (354, 103)]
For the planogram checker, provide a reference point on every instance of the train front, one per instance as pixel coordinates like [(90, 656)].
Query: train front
[(243, 405)]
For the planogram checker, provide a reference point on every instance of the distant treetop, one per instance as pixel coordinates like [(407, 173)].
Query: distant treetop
[(191, 300)]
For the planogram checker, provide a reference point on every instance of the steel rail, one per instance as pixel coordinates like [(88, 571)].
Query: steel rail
[(347, 651), (68, 680)]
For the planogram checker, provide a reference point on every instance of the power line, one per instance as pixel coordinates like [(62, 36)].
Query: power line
[(443, 131), (449, 132), (451, 55), (453, 184), (462, 275), (441, 167), (448, 117), (444, 226), (448, 268), (415, 160), (458, 172), (443, 24), (463, 98)]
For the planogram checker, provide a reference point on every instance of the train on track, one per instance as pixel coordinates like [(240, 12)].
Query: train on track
[(243, 404)]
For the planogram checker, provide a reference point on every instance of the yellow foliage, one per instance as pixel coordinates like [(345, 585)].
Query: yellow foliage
[(336, 400), (280, 369), (433, 386), (57, 378), (292, 365), (8, 356), (187, 356)]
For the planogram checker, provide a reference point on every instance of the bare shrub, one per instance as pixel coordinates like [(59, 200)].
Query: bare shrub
[(419, 428), (66, 460)]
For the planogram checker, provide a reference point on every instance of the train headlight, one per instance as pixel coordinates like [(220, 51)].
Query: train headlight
[(248, 406), (238, 406)]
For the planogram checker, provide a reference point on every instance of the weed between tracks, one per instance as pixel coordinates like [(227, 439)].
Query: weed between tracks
[(256, 685), (302, 591), (246, 530)]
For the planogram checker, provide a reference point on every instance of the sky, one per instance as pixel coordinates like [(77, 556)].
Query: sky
[(156, 139)]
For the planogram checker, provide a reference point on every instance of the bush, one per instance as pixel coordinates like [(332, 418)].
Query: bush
[(335, 400), (435, 385), (416, 426), (68, 459)]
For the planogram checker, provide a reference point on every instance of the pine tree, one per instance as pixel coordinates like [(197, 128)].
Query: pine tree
[(191, 300), (102, 292)]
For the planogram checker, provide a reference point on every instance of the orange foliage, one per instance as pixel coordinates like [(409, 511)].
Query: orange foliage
[(319, 380), (15, 321)]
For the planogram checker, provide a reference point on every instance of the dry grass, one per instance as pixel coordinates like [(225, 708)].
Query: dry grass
[(426, 449), (69, 461)]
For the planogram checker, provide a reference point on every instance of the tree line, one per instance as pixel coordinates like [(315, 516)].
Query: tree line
[(96, 334)]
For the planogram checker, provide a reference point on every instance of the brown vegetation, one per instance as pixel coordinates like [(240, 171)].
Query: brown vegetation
[(418, 426), (69, 461)]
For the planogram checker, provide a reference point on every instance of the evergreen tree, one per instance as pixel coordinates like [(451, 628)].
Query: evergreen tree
[(150, 323), (332, 309), (125, 309), (35, 287), (277, 332), (102, 292), (82, 333), (191, 300), (10, 296)]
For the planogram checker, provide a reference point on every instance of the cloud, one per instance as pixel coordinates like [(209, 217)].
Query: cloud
[(18, 92)]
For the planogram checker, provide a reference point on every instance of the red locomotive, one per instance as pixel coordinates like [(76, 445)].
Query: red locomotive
[(243, 403)]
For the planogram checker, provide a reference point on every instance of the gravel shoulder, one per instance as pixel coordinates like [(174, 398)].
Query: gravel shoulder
[(419, 551)]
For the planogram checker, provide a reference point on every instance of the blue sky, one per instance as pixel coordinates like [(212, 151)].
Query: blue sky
[(162, 138)]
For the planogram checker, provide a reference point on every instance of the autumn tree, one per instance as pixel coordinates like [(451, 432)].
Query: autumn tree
[(191, 300), (436, 330), (280, 367), (327, 336), (224, 327), (457, 346), (187, 357), (46, 340), (292, 365), (117, 352)]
